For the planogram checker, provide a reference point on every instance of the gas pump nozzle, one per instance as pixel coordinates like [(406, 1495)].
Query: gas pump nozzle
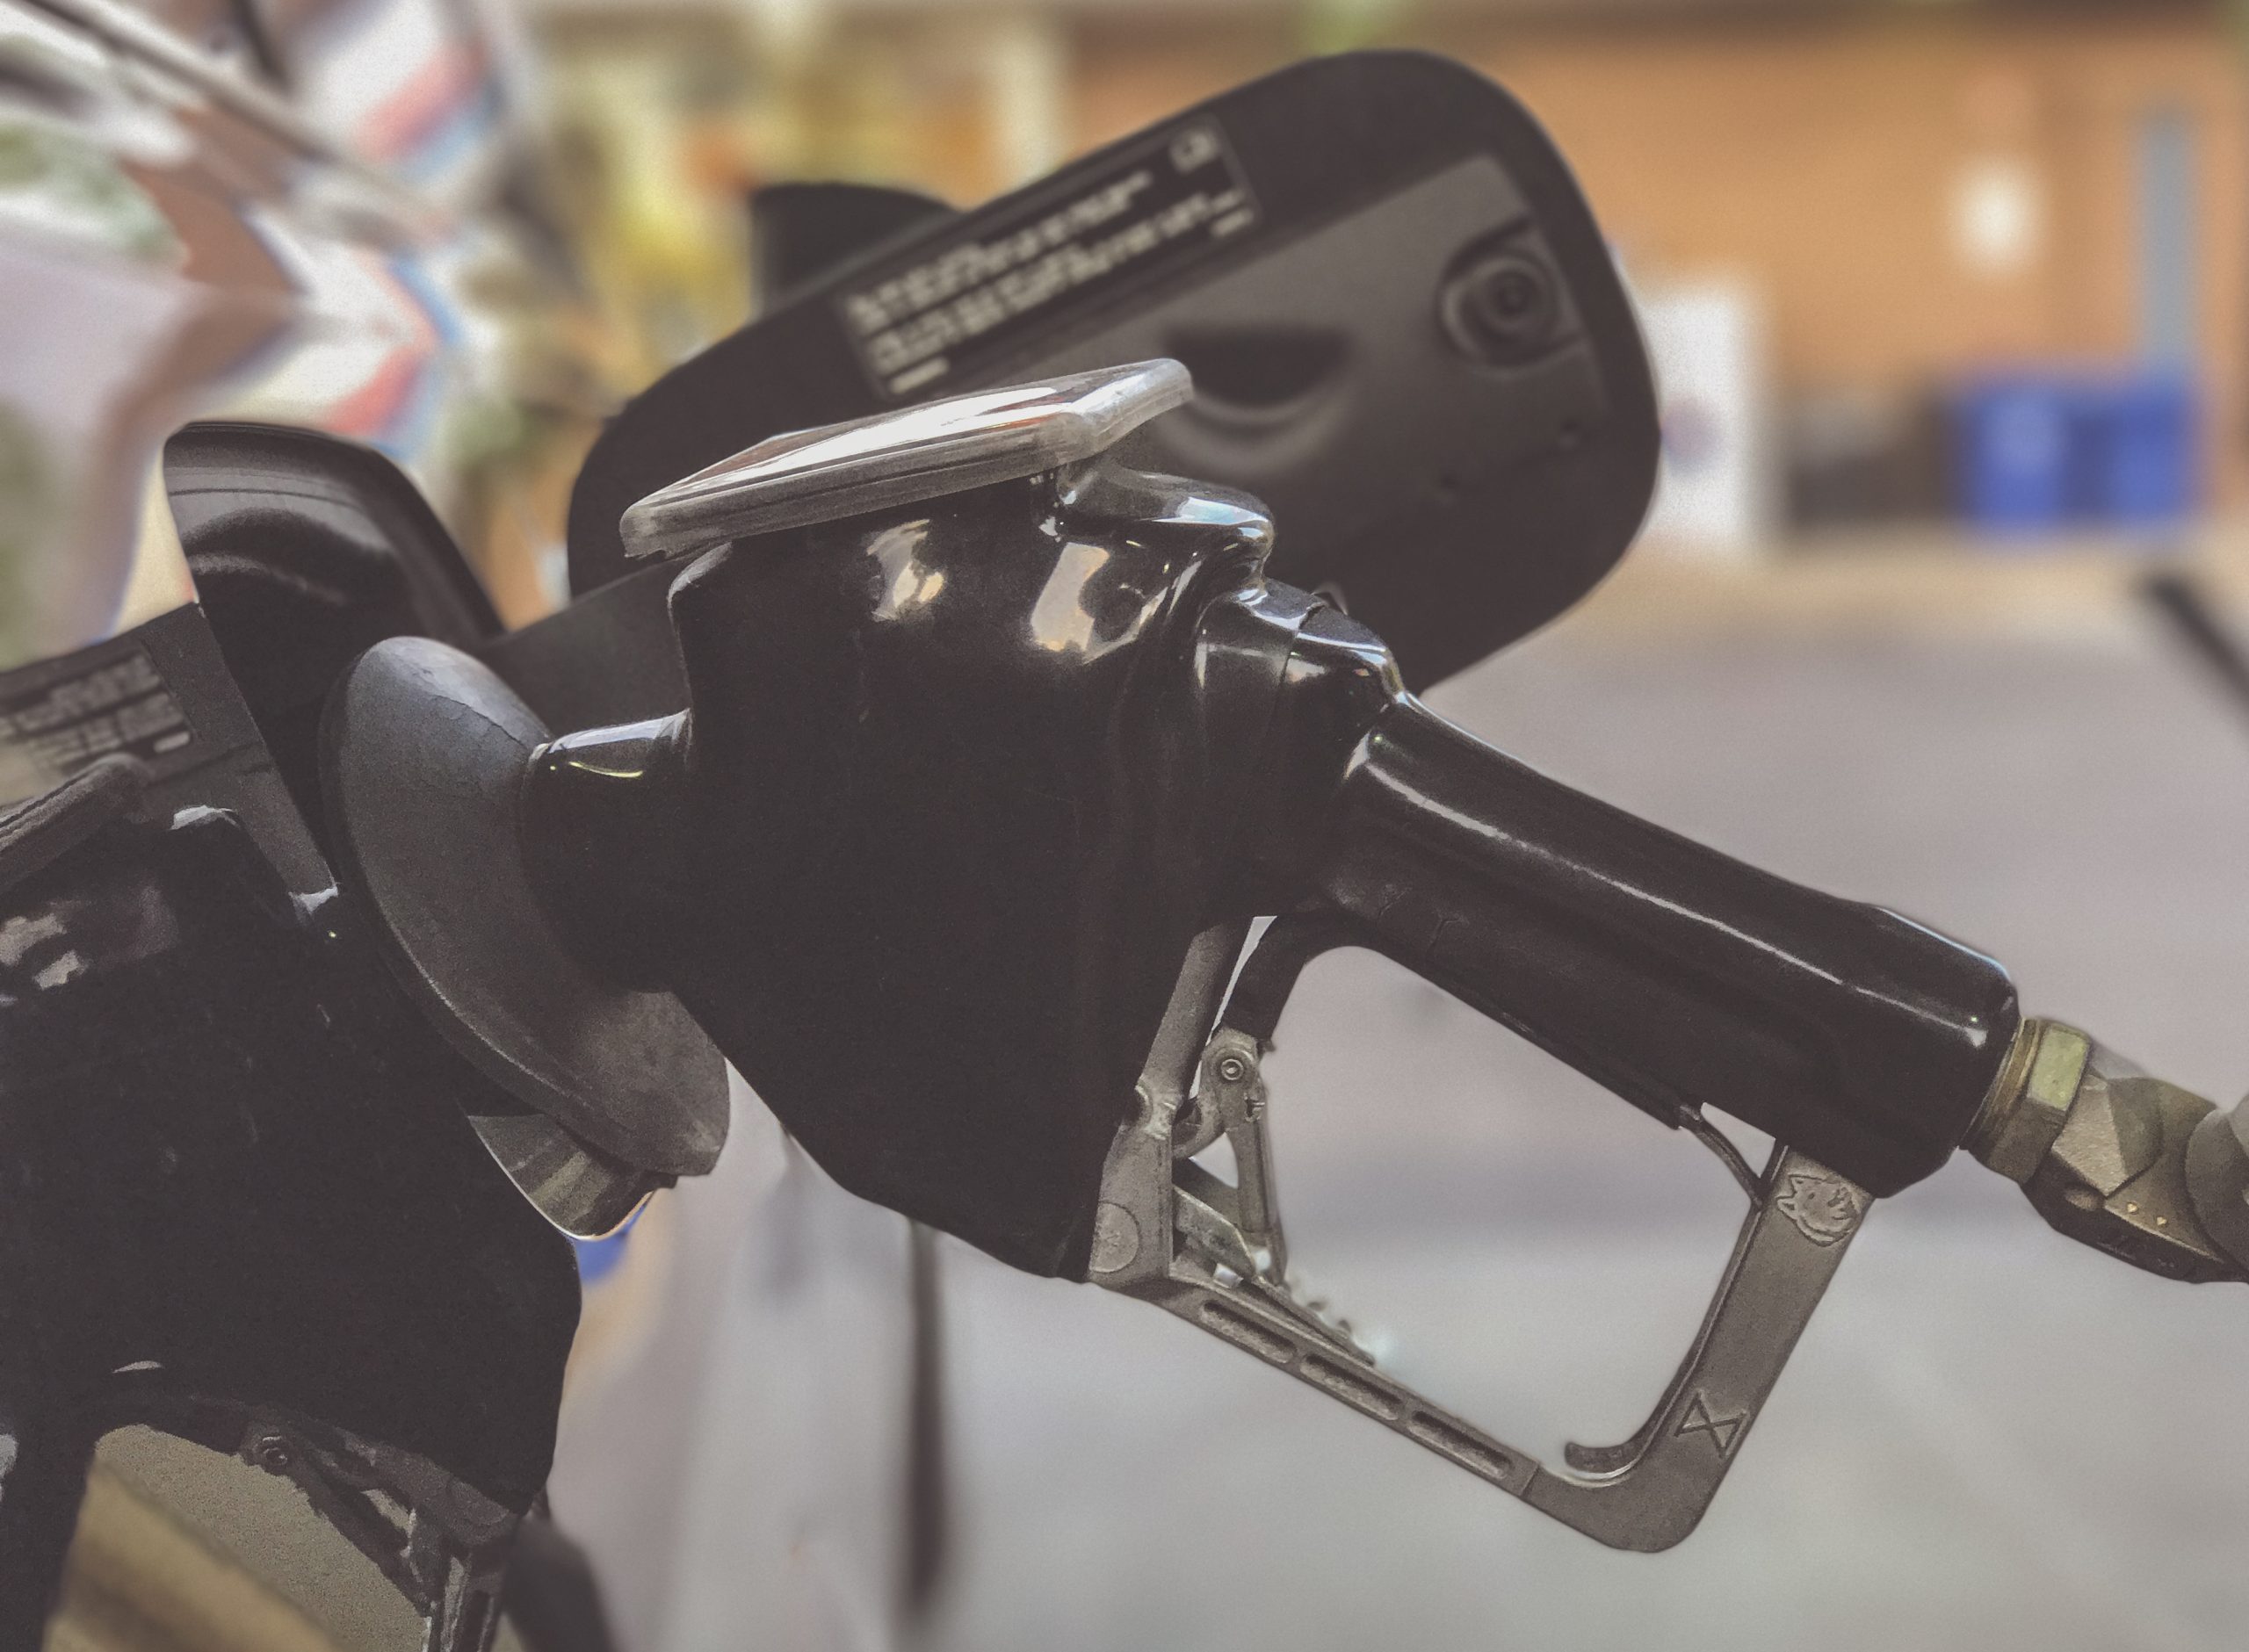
[(994, 750), (2133, 1166)]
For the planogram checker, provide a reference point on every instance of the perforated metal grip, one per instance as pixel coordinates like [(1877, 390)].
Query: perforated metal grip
[(1214, 1254)]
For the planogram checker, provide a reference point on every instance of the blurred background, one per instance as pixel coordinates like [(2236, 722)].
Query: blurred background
[(1931, 275), (1949, 305), (1923, 276), (1913, 273)]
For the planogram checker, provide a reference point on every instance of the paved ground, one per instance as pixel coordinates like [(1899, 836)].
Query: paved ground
[(1989, 1439)]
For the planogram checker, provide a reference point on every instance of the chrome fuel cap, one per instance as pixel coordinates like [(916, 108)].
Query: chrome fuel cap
[(898, 457)]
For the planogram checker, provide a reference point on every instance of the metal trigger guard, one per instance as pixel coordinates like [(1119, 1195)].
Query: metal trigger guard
[(1170, 1232)]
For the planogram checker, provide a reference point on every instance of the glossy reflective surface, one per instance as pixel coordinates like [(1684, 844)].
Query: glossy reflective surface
[(925, 853), (248, 1199), (239, 1183), (958, 783), (1679, 978), (176, 236)]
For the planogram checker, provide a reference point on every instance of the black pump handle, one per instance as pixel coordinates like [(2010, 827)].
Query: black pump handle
[(1674, 975)]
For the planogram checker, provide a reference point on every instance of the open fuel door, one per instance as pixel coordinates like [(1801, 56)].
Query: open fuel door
[(1406, 336)]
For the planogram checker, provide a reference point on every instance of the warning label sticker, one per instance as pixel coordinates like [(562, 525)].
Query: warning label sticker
[(50, 731), (1160, 205)]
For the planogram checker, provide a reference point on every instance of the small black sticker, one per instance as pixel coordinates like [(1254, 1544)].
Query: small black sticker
[(1164, 202), (54, 724)]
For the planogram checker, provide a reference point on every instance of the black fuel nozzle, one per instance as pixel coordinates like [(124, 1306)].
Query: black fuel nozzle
[(994, 749), (956, 787), (1679, 978), (985, 728)]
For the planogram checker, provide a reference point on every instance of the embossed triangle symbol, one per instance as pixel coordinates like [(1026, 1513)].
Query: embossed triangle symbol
[(1723, 1430)]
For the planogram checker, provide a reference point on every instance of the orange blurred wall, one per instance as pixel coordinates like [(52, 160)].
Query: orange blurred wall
[(1826, 160)]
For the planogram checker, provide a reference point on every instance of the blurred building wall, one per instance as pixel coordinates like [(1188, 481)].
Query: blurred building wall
[(1918, 194), (1910, 196)]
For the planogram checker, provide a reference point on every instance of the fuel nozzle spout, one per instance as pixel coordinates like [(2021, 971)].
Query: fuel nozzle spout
[(2133, 1166)]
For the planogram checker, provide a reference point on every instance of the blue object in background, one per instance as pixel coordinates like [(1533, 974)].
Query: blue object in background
[(598, 1257), (2038, 451), (2144, 469), (2012, 459)]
